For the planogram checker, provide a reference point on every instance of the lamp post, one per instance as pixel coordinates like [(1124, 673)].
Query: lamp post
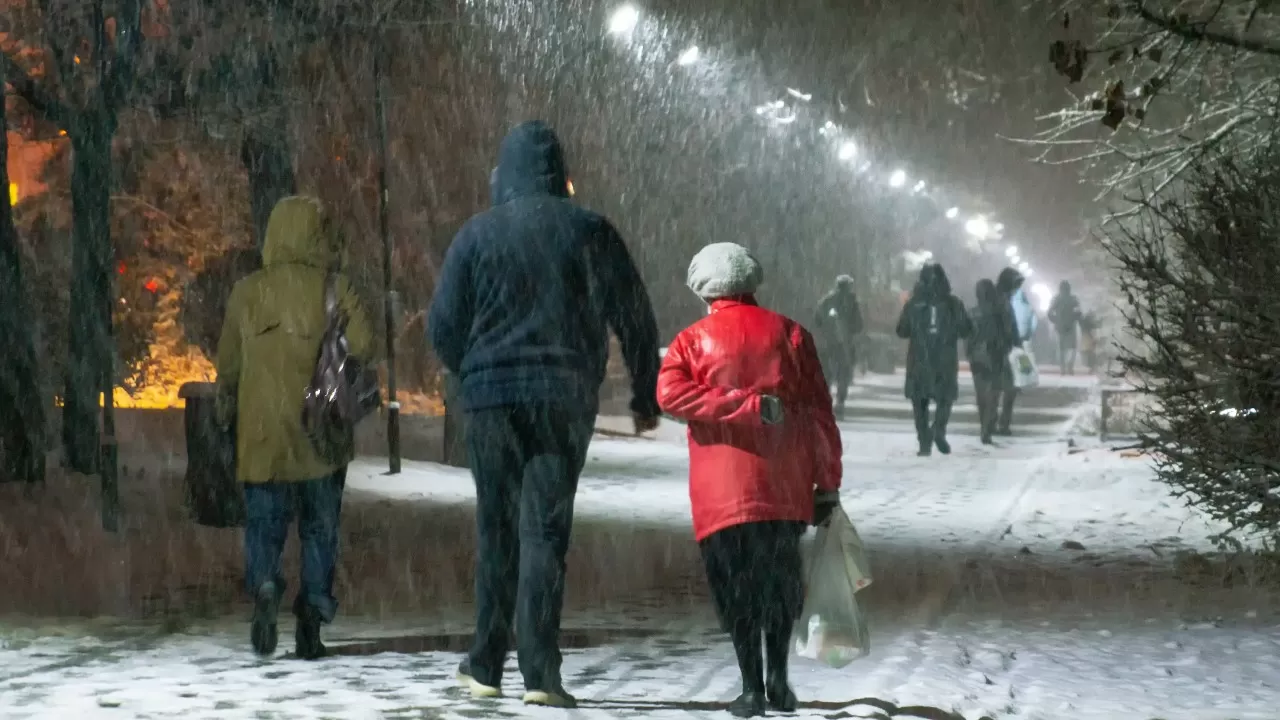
[(389, 293)]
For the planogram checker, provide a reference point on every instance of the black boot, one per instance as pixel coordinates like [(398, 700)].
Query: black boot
[(940, 440), (307, 636), (779, 695), (263, 631), (749, 704)]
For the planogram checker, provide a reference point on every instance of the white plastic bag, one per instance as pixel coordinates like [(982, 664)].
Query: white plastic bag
[(833, 628), (1025, 372)]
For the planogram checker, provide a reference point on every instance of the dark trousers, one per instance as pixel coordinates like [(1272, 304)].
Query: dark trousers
[(987, 385), (926, 433), (1008, 395), (270, 508), (837, 365), (526, 460), (1067, 354), (755, 574)]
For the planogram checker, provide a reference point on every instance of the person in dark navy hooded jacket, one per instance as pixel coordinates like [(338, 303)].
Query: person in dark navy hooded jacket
[(528, 293)]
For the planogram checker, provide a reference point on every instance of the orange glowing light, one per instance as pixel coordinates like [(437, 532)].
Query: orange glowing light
[(572, 192), (152, 286)]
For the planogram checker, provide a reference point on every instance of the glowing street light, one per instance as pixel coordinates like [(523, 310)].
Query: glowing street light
[(999, 228), (953, 213), (689, 56), (1012, 251), (1024, 267), (624, 20), (848, 150), (1015, 260), (898, 178), (919, 188), (977, 226), (1043, 294)]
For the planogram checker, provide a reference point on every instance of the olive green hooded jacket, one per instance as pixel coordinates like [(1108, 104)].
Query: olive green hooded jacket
[(271, 339)]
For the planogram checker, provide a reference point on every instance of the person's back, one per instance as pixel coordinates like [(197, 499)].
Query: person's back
[(528, 292), (748, 349), (531, 287), (267, 354)]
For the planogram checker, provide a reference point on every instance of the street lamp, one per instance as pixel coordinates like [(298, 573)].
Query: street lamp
[(848, 150), (1012, 251), (624, 20), (953, 213), (898, 178), (919, 188), (977, 226), (689, 56)]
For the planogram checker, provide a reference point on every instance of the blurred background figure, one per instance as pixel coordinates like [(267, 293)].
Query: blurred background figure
[(933, 322), (838, 325), (994, 333), (1009, 285), (1064, 315)]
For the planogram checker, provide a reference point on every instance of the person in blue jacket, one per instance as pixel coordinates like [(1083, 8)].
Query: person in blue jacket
[(521, 315), (1009, 285)]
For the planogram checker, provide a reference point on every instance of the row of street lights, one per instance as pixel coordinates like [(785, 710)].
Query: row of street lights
[(626, 19)]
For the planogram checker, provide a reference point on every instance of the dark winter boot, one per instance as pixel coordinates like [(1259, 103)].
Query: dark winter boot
[(748, 705), (940, 440), (307, 643), (263, 631), (778, 693)]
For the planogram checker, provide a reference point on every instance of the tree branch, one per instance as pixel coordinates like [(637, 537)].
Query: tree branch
[(1188, 32), (35, 96)]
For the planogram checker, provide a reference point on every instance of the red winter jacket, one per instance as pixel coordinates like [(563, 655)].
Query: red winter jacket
[(740, 469)]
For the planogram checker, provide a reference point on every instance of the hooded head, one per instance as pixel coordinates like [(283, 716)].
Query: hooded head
[(1008, 281), (1064, 287), (987, 294), (530, 162), (298, 233), (724, 270), (933, 284), (844, 283)]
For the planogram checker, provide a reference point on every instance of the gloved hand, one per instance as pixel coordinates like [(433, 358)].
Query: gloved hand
[(644, 422), (825, 502), (771, 410)]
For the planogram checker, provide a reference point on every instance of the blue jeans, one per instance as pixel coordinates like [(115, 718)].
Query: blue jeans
[(271, 508), (526, 460)]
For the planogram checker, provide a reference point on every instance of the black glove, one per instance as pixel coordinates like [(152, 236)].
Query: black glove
[(825, 502), (770, 410)]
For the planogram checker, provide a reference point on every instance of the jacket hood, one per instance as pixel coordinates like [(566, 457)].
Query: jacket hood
[(530, 162), (844, 283), (934, 284), (1064, 287), (1009, 280), (297, 234), (987, 294)]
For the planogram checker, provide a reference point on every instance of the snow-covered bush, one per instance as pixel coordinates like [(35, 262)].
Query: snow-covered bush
[(1197, 269)]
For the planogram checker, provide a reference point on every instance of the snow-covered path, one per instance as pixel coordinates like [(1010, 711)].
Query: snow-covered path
[(977, 607)]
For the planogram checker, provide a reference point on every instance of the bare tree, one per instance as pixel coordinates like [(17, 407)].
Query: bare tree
[(22, 411), (1165, 83), (1196, 270), (82, 62)]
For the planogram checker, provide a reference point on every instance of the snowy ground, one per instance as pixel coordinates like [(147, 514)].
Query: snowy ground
[(978, 607)]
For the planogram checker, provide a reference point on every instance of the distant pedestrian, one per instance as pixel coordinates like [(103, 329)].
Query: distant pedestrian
[(933, 321), (1009, 285), (764, 462), (994, 334), (1089, 327), (1064, 314), (267, 355), (528, 293), (838, 325)]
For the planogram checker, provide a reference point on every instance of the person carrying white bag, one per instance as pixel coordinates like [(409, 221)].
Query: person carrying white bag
[(833, 627), (764, 462)]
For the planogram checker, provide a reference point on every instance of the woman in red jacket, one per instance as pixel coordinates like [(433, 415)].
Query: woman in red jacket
[(764, 461)]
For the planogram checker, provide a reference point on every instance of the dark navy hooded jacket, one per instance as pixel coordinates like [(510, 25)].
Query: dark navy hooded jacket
[(531, 287)]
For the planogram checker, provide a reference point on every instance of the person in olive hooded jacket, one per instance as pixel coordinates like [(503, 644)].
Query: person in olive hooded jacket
[(266, 357)]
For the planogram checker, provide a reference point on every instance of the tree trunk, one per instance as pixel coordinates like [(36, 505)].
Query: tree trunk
[(265, 154), (89, 332), (22, 409)]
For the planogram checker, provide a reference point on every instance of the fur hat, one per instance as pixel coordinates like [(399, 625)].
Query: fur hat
[(724, 270)]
